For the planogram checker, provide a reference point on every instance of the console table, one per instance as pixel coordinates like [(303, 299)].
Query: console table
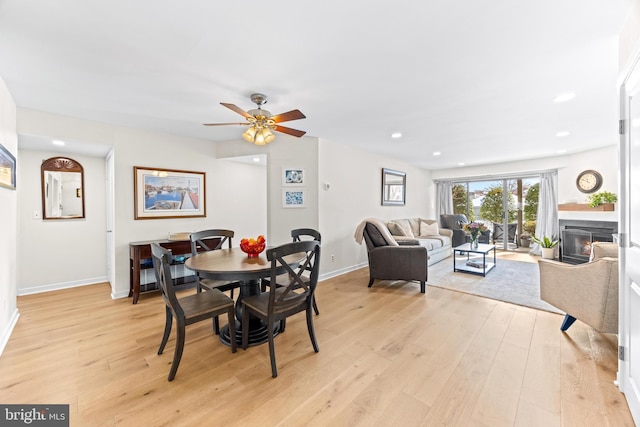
[(140, 259)]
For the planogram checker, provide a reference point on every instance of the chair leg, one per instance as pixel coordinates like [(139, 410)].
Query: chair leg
[(312, 331), (167, 330), (422, 286), (232, 328), (216, 325), (567, 322), (245, 327), (272, 349), (180, 329), (370, 282), (315, 306)]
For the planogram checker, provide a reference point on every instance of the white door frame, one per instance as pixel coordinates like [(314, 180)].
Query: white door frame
[(628, 378)]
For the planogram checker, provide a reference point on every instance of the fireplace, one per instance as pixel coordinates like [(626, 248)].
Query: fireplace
[(576, 237)]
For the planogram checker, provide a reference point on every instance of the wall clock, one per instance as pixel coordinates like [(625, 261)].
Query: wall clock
[(589, 181)]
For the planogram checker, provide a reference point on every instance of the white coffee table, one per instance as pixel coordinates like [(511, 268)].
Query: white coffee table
[(475, 261)]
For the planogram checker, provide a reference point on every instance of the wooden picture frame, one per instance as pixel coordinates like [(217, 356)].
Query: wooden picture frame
[(168, 193), (7, 169)]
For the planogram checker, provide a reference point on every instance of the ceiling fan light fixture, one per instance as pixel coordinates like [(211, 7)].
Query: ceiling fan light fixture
[(250, 134)]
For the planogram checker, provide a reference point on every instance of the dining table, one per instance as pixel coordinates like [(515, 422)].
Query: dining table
[(233, 264)]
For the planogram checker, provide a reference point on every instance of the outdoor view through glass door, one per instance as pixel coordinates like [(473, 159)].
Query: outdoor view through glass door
[(508, 207)]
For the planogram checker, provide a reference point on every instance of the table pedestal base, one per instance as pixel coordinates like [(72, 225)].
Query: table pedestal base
[(258, 334)]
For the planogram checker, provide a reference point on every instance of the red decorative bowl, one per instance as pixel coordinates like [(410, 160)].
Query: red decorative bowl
[(253, 247)]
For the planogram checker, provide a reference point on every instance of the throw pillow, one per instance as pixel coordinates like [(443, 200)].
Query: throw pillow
[(429, 229), (376, 237), (396, 229)]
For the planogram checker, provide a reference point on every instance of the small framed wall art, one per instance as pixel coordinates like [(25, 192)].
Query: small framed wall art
[(293, 197), (7, 169), (293, 176)]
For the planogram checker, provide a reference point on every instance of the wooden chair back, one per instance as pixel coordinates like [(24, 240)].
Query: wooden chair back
[(297, 294), (199, 239), (161, 258)]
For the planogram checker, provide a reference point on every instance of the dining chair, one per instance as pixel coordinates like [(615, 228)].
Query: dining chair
[(299, 234), (187, 310), (281, 301), (199, 243)]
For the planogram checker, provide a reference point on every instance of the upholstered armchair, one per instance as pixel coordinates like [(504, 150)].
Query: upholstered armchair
[(588, 292), (391, 260), (454, 222)]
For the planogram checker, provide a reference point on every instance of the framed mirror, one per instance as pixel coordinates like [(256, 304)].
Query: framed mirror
[(394, 187), (62, 188)]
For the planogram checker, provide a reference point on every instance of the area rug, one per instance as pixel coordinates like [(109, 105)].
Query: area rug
[(516, 282)]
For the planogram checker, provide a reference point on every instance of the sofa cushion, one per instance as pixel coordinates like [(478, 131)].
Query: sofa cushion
[(429, 229), (400, 227), (376, 237)]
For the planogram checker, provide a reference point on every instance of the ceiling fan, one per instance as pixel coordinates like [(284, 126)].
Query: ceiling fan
[(261, 122)]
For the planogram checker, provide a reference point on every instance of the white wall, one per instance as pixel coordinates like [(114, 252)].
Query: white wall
[(8, 221), (233, 190), (603, 160), (69, 252), (355, 178)]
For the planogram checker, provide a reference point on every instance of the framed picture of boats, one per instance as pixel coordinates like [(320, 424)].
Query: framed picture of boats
[(168, 193)]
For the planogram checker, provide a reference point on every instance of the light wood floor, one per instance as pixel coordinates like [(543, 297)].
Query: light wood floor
[(388, 356)]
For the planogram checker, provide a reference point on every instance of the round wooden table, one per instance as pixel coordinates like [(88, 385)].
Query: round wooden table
[(234, 265)]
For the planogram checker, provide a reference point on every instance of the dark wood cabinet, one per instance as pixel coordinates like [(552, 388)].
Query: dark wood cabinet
[(140, 259)]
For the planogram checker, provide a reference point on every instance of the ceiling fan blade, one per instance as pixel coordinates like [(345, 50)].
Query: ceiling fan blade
[(294, 132), (288, 116), (225, 124), (237, 110)]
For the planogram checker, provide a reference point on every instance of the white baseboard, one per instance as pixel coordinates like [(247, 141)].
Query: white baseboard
[(4, 338), (58, 286), (120, 294), (334, 273)]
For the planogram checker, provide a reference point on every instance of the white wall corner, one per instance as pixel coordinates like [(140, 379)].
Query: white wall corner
[(6, 334)]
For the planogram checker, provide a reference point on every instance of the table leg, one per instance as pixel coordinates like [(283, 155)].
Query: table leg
[(257, 329)]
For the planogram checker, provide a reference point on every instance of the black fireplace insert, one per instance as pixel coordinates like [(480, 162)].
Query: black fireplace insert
[(576, 237)]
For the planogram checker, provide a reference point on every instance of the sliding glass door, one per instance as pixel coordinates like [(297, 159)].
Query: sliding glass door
[(506, 206)]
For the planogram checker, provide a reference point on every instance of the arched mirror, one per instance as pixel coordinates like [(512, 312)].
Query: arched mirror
[(62, 188)]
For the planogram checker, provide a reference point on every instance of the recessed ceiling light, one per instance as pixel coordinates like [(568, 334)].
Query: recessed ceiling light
[(561, 151), (396, 135), (460, 164), (256, 159), (436, 153), (564, 97), (57, 142), (563, 133)]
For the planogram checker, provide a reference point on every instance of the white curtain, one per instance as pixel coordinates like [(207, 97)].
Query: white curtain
[(444, 197), (547, 218)]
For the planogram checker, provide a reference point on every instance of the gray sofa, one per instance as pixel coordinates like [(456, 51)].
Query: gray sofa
[(422, 232)]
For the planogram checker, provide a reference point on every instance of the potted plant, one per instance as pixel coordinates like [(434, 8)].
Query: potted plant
[(529, 227), (597, 199), (547, 244)]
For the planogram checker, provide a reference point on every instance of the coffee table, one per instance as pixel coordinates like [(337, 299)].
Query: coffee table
[(476, 264)]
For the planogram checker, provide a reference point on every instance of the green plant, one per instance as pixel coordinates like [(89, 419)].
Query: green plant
[(529, 227), (546, 242), (492, 209), (597, 199)]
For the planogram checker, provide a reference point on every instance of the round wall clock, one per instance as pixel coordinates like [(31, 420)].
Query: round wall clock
[(589, 181)]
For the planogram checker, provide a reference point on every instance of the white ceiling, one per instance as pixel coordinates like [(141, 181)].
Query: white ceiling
[(471, 79)]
